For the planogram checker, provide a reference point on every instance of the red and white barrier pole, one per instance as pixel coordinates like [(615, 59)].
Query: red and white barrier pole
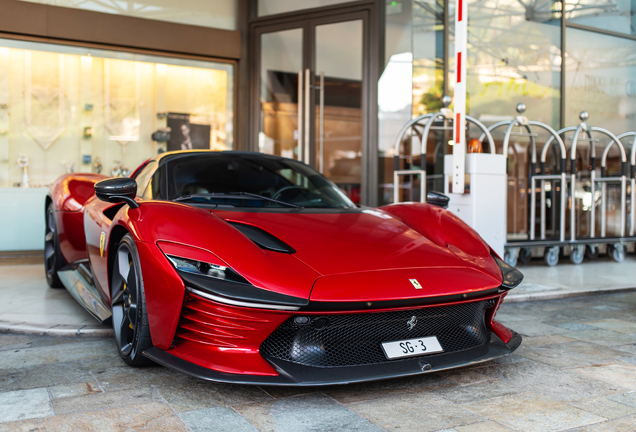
[(459, 133)]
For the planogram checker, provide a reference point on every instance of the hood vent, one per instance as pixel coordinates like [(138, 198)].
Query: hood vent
[(262, 238)]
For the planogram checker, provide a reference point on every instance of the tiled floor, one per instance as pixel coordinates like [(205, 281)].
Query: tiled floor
[(26, 297), (575, 371), (565, 279)]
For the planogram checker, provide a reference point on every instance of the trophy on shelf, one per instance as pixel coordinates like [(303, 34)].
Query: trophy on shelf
[(69, 167), (23, 162), (119, 170), (97, 166)]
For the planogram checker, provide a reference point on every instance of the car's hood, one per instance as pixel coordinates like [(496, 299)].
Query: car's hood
[(402, 284), (350, 242)]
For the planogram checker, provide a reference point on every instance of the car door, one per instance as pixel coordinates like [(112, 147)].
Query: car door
[(98, 219)]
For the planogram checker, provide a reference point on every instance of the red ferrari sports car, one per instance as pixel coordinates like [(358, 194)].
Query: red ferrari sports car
[(247, 268)]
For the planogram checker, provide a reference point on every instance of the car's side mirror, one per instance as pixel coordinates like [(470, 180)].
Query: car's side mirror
[(116, 190), (437, 198)]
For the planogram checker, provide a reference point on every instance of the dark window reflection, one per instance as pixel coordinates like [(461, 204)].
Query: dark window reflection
[(613, 15), (601, 79)]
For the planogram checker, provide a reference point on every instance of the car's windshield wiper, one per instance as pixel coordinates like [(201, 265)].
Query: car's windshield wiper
[(235, 195)]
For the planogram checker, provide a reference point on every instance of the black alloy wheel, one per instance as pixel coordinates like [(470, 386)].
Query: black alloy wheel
[(130, 318), (53, 259)]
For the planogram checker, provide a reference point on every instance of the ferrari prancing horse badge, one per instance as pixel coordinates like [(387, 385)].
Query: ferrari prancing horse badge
[(102, 243), (415, 283)]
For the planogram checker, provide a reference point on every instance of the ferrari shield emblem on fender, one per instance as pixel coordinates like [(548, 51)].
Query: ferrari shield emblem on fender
[(102, 243), (415, 283)]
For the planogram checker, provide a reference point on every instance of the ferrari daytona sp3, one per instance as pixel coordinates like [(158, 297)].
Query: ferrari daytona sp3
[(248, 268)]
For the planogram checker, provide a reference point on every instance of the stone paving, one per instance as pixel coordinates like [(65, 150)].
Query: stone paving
[(576, 370)]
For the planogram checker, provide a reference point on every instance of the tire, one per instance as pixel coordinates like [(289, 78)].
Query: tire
[(577, 254), (551, 256), (53, 258), (617, 252), (510, 257), (525, 255), (591, 252), (128, 302)]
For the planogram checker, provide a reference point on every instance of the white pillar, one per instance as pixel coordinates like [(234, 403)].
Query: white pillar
[(459, 133)]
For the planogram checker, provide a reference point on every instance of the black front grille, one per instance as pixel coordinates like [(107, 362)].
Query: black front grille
[(355, 339)]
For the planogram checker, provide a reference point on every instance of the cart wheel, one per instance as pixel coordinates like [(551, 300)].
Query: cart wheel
[(525, 255), (551, 256), (617, 252), (591, 252), (510, 256), (576, 256)]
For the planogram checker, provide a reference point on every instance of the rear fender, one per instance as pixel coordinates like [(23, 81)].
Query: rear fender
[(69, 194), (71, 191)]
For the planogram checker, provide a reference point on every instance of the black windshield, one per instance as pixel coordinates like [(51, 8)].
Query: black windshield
[(281, 179)]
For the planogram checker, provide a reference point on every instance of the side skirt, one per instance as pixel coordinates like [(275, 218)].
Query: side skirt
[(77, 279)]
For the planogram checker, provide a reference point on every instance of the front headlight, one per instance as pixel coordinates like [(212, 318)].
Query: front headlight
[(224, 285), (206, 269), (511, 276)]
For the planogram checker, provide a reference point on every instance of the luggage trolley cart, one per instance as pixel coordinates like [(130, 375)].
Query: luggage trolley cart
[(523, 249), (616, 250), (551, 253), (421, 127), (578, 246), (446, 116), (632, 175)]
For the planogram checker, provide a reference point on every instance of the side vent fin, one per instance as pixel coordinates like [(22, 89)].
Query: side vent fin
[(262, 238), (110, 212)]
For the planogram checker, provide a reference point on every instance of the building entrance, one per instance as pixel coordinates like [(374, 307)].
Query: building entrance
[(311, 92)]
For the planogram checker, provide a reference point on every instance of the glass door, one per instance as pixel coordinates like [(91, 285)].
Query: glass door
[(311, 89), (337, 108), (280, 80)]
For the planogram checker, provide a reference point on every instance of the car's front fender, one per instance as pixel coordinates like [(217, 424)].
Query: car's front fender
[(161, 221), (164, 291), (447, 230)]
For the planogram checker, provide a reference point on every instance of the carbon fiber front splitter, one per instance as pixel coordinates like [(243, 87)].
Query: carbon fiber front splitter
[(292, 374)]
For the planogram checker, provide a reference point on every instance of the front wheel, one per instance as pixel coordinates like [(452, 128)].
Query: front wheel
[(128, 301)]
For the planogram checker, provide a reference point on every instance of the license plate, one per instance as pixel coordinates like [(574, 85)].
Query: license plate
[(412, 347)]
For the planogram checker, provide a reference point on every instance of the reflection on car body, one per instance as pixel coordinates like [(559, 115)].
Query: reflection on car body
[(248, 268)]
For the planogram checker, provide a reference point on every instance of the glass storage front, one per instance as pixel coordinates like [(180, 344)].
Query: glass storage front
[(514, 55), (274, 7), (601, 79), (70, 109), (614, 15)]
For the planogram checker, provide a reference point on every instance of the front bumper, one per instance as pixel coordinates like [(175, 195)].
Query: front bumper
[(292, 374)]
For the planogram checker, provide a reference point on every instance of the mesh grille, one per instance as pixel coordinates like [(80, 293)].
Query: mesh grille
[(354, 339)]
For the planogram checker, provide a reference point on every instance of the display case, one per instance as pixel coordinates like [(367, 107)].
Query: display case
[(72, 109)]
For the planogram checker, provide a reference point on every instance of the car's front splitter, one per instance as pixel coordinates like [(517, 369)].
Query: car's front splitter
[(292, 374)]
